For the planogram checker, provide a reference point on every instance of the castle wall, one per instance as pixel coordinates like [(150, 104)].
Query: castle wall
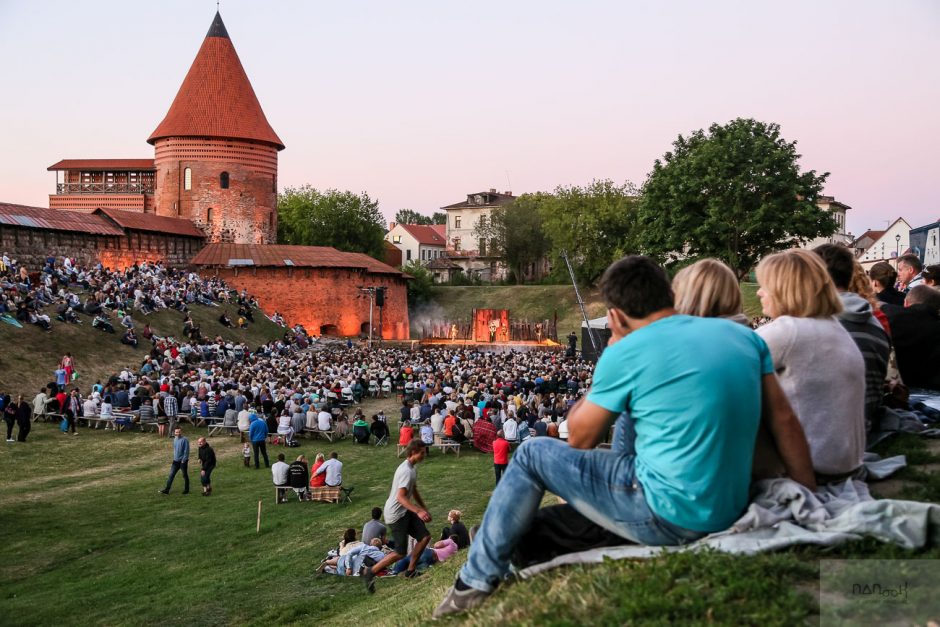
[(245, 213), (323, 298)]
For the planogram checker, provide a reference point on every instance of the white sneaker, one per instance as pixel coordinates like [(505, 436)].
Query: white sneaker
[(10, 440)]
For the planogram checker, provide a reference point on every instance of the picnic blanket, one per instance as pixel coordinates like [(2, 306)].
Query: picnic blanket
[(784, 513)]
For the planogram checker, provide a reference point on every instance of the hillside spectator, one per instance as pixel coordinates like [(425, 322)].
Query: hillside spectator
[(180, 462), (932, 275), (279, 471), (317, 480), (405, 434), (374, 528), (332, 469), (916, 334), (207, 461), (483, 435), (708, 289), (500, 455), (298, 477), (258, 434), (910, 272)]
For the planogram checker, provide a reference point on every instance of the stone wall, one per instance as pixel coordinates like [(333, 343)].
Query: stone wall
[(324, 300), (32, 246)]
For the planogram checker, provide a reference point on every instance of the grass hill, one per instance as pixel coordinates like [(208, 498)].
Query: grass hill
[(535, 302), (30, 355)]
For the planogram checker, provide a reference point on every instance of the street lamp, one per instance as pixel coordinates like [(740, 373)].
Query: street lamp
[(897, 249)]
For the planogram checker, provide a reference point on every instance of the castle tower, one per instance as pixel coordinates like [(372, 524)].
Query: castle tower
[(215, 153)]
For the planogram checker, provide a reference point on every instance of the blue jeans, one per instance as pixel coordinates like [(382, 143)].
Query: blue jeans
[(600, 484)]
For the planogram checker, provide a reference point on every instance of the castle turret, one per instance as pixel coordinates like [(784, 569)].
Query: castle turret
[(215, 152)]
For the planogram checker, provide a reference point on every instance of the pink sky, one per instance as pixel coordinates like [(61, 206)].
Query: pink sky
[(421, 102)]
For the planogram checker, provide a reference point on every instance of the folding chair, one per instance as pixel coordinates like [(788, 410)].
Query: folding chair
[(346, 495)]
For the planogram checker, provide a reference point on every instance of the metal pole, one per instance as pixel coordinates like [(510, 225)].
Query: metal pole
[(371, 302), (577, 293)]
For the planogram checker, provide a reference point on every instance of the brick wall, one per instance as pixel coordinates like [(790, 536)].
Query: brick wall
[(87, 203), (322, 297), (245, 213), (32, 246)]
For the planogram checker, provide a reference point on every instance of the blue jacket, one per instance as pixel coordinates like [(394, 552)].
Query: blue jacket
[(180, 449), (257, 430)]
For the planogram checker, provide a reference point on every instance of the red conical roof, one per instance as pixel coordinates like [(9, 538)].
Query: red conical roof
[(216, 98)]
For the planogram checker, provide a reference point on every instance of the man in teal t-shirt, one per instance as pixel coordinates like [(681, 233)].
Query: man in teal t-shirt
[(688, 395)]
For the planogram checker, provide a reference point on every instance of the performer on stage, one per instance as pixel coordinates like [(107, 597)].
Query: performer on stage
[(538, 332), (453, 332)]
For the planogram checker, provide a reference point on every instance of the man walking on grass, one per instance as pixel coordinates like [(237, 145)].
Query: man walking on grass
[(405, 513), (207, 460), (180, 461)]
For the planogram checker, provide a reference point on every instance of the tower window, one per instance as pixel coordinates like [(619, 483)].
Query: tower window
[(209, 215), (188, 179), (223, 180), (456, 222)]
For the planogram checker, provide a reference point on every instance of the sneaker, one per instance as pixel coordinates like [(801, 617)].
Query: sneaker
[(164, 491), (10, 440), (458, 601), (368, 578), (76, 433), (411, 574)]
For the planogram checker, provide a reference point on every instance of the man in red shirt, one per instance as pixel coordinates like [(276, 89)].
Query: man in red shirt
[(449, 424), (406, 434), (483, 435), (500, 454)]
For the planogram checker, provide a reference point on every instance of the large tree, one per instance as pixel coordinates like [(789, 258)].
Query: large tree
[(341, 219), (410, 216), (594, 224), (735, 192), (514, 232)]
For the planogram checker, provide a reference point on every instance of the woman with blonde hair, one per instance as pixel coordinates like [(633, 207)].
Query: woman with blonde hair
[(819, 366), (708, 289)]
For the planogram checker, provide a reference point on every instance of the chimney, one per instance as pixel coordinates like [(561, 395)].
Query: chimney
[(391, 225), (492, 190), (507, 193)]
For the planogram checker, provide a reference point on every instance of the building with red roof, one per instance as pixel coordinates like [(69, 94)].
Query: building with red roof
[(420, 243)]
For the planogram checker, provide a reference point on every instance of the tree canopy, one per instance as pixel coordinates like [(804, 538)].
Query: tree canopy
[(410, 216), (342, 219), (515, 233), (594, 224), (735, 193)]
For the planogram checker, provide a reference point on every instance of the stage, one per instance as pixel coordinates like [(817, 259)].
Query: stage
[(496, 347)]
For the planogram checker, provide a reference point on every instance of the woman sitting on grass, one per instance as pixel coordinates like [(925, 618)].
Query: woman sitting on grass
[(819, 366)]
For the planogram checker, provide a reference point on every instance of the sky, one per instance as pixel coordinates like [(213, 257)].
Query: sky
[(419, 103)]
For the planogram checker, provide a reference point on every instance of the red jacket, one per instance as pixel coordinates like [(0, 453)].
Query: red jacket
[(500, 451)]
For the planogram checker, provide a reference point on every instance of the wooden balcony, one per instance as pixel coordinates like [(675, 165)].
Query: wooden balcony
[(145, 187)]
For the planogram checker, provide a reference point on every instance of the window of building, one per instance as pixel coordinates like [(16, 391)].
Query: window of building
[(456, 222), (408, 255), (396, 239), (188, 179), (483, 247), (456, 243), (223, 180), (271, 220), (209, 215)]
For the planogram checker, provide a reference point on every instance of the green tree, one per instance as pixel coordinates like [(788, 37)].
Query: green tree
[(419, 287), (594, 224), (515, 233), (735, 193), (342, 219), (410, 216)]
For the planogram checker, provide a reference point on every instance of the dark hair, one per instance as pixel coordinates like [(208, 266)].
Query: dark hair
[(932, 273), (334, 455), (883, 273), (911, 260), (376, 513), (413, 447), (839, 262), (280, 457), (637, 286), (349, 535)]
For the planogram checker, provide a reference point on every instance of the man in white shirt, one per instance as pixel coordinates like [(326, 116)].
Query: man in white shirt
[(333, 469), (437, 422), (279, 471), (511, 429), (324, 420)]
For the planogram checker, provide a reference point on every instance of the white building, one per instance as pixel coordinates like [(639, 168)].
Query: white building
[(462, 219), (837, 209), (417, 242), (884, 245)]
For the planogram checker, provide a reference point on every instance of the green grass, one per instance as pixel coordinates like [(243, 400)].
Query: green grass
[(30, 355), (89, 541)]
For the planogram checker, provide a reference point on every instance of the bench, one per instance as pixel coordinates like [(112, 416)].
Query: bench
[(54, 417), (98, 420), (331, 494), (122, 420), (329, 435), (448, 445), (217, 425), (280, 493)]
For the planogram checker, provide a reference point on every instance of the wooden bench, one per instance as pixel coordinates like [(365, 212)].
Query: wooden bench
[(329, 435), (331, 494), (98, 420), (280, 493), (217, 425), (448, 445), (123, 420)]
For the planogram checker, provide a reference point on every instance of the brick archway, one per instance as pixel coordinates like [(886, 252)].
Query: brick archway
[(329, 330)]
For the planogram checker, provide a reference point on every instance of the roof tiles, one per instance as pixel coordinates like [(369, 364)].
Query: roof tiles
[(137, 221), (279, 255), (102, 164), (56, 219)]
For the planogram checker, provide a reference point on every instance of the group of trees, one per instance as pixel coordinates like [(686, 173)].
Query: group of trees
[(734, 192)]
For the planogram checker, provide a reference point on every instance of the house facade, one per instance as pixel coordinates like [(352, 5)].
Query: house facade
[(838, 211), (886, 245), (418, 242)]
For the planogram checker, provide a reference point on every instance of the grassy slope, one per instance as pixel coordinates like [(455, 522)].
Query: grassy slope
[(535, 302), (30, 355)]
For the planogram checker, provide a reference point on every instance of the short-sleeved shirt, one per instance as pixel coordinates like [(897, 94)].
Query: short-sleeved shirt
[(405, 477), (692, 387), (372, 529)]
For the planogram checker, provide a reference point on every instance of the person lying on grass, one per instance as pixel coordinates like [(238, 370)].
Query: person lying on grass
[(687, 395)]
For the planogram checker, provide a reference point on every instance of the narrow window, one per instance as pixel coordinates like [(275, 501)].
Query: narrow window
[(456, 222), (209, 215), (408, 255), (188, 179), (223, 180)]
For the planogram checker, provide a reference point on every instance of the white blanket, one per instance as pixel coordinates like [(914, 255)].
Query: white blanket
[(784, 513)]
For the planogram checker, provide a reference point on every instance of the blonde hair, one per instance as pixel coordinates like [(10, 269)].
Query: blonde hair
[(454, 515), (708, 289), (319, 457), (861, 285), (799, 284)]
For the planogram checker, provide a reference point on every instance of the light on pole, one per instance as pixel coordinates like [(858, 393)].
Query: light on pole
[(897, 249)]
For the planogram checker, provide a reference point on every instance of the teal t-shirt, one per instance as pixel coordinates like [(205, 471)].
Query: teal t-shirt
[(693, 389)]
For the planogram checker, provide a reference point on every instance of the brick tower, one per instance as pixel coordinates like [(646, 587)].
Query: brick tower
[(215, 153)]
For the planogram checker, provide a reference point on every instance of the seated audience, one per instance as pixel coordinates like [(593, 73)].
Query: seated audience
[(279, 470), (821, 369), (708, 289), (332, 469), (317, 480), (298, 476), (440, 552), (456, 528), (374, 529), (349, 541), (915, 330)]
